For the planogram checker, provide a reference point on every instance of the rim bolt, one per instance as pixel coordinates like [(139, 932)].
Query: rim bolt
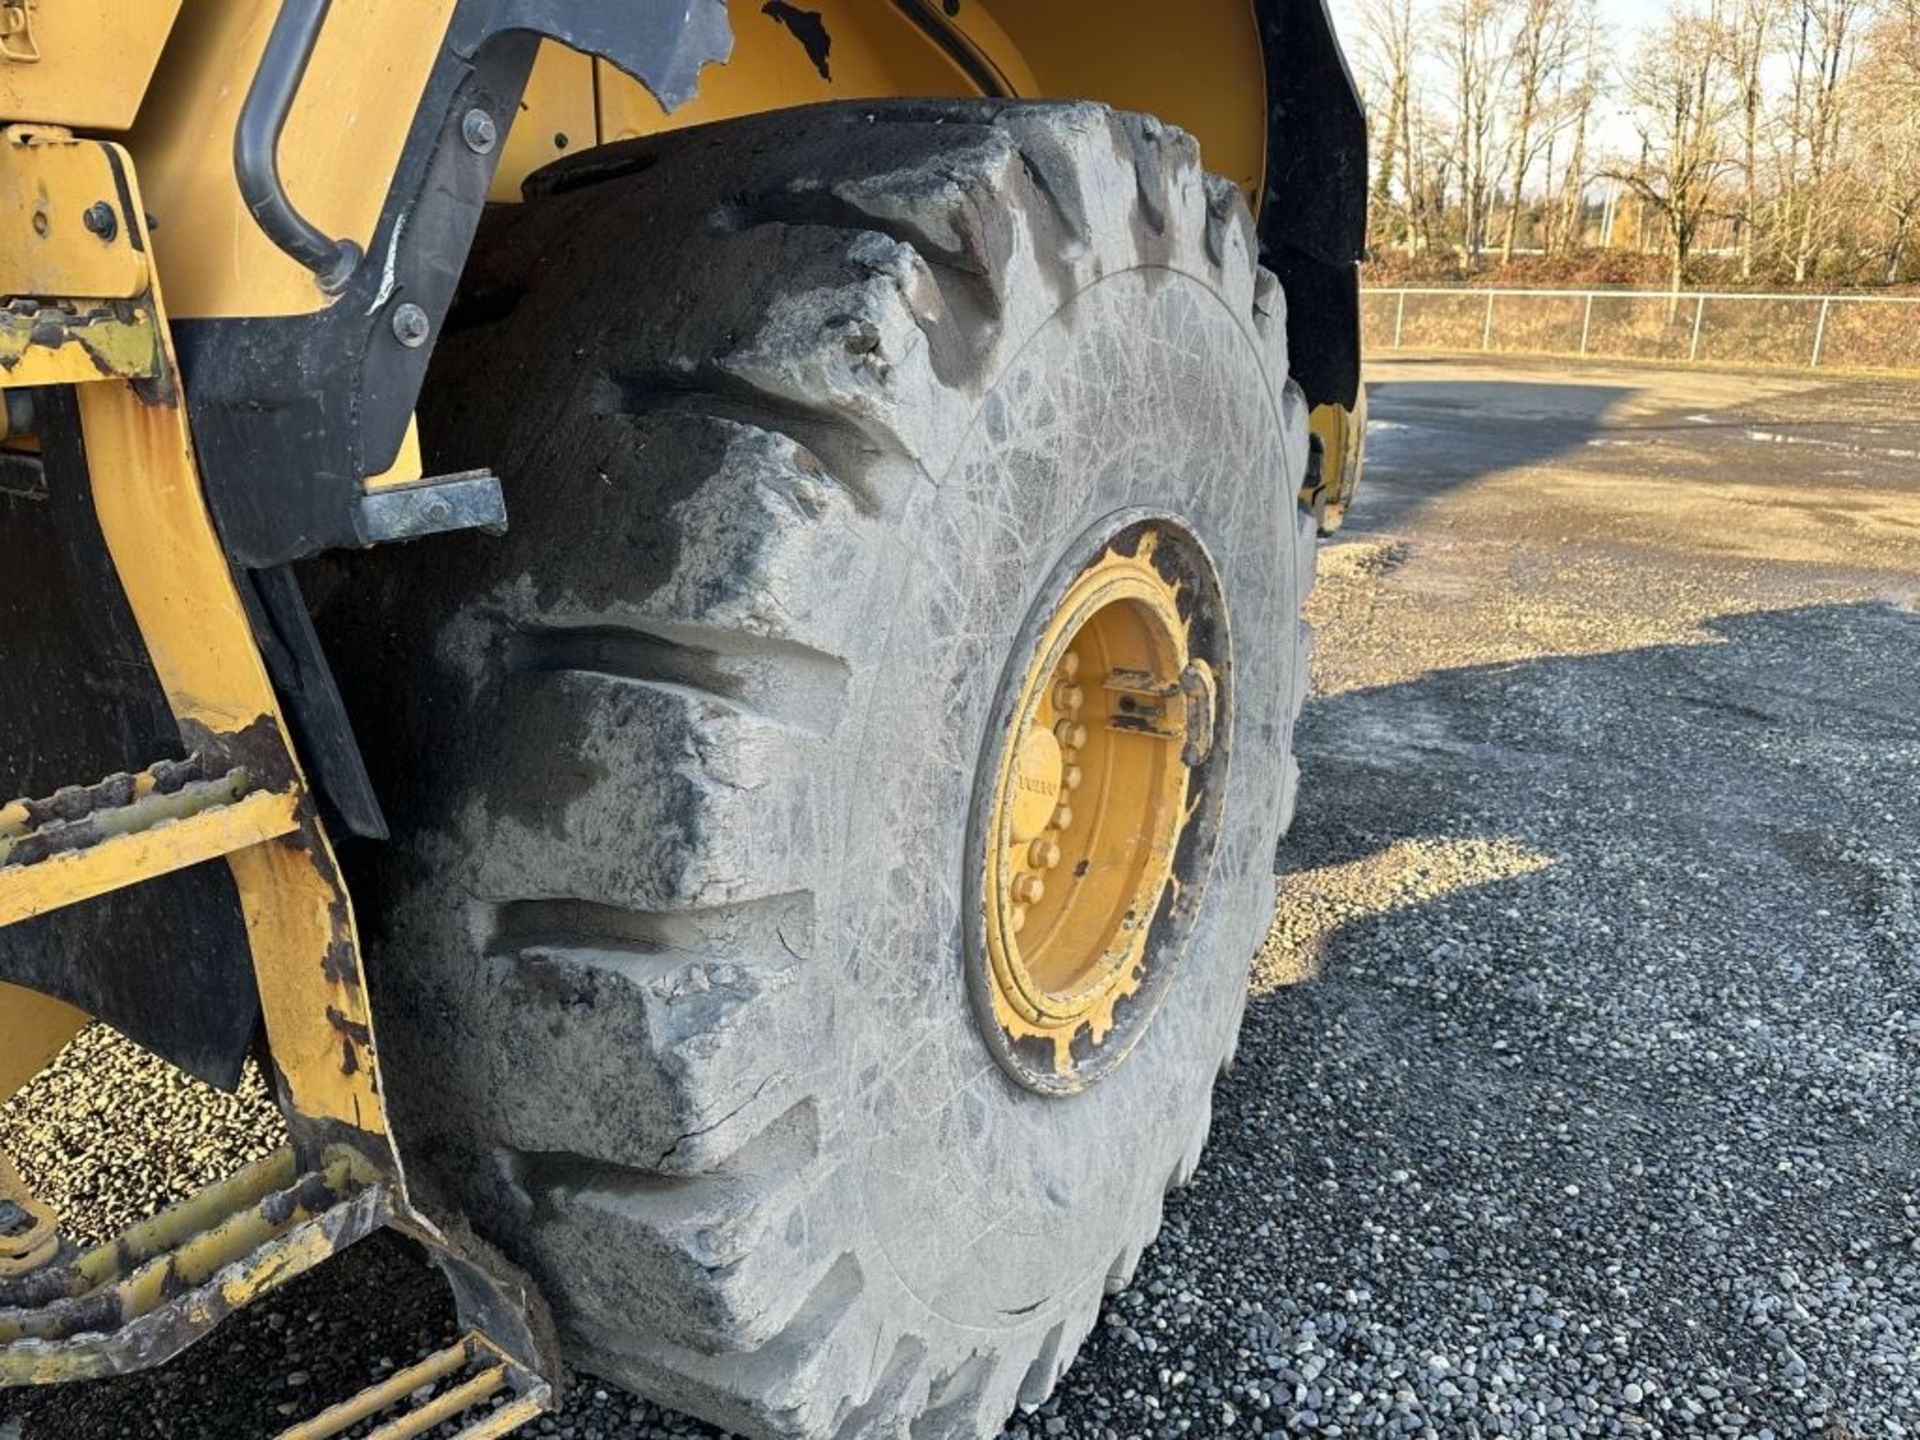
[(1071, 777), (1029, 889), (1019, 918), (1068, 699), (1062, 817), (1070, 734), (1069, 665), (1044, 854)]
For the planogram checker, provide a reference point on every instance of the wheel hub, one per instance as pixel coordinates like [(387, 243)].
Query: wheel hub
[(1095, 838)]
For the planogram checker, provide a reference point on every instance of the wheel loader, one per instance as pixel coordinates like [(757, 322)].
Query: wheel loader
[(693, 619)]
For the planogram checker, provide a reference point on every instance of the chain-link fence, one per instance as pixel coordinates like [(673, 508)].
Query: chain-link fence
[(1844, 332)]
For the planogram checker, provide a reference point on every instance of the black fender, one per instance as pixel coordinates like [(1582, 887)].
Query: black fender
[(290, 413), (1313, 219)]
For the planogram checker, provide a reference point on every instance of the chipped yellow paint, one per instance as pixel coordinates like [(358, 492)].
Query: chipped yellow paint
[(1090, 799), (49, 348)]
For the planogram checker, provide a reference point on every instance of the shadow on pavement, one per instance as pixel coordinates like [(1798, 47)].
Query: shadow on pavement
[(1428, 437)]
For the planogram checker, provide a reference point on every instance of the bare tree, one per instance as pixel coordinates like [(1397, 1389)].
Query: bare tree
[(1681, 101), (1748, 36), (1388, 53), (1587, 78), (1543, 47), (1475, 47), (1798, 121), (1889, 103), (1822, 48)]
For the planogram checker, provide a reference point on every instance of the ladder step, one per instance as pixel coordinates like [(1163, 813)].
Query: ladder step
[(492, 1371), (85, 840), (144, 1296)]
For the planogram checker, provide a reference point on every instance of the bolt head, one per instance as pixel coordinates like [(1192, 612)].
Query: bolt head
[(1044, 854), (1071, 777), (101, 220), (1063, 817), (411, 326), (479, 131), (1029, 889)]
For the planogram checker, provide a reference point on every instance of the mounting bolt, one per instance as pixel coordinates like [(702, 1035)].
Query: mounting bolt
[(1029, 889), (479, 131), (100, 220), (411, 326)]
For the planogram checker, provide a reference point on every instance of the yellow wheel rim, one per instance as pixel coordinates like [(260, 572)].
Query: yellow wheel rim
[(1091, 794)]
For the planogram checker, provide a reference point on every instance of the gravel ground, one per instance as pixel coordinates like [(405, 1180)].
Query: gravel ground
[(1594, 1113)]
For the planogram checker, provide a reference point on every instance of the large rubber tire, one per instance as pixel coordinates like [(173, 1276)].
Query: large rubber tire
[(794, 415)]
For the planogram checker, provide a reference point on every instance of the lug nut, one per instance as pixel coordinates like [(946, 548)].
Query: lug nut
[(1069, 665), (1070, 735), (1043, 854), (1062, 817), (1068, 699), (1071, 777), (1029, 889), (1019, 918)]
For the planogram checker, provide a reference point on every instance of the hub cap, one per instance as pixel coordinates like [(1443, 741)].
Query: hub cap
[(1096, 839)]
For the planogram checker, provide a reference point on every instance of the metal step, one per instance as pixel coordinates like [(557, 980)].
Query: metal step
[(147, 1294), (84, 840), (455, 1382)]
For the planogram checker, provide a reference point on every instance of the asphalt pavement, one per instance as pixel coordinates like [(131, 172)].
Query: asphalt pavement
[(1580, 1087)]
